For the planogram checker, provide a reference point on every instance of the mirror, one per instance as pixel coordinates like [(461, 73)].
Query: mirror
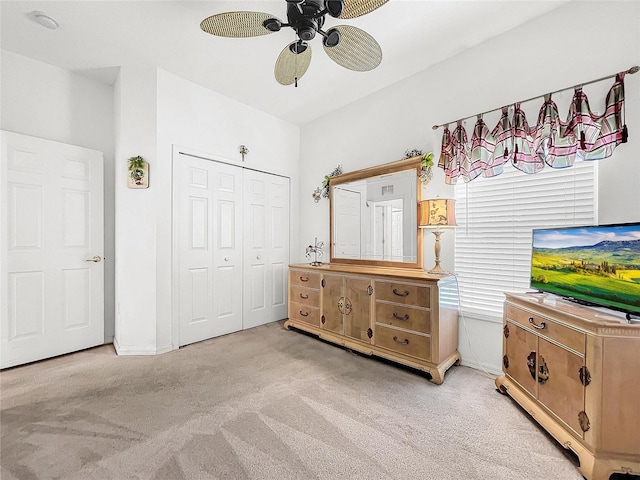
[(374, 215)]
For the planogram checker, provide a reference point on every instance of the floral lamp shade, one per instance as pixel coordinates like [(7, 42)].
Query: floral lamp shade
[(437, 213)]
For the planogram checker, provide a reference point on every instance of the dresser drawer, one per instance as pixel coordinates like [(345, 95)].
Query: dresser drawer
[(304, 313), (404, 317), (404, 293), (305, 296), (403, 342), (546, 327), (304, 278)]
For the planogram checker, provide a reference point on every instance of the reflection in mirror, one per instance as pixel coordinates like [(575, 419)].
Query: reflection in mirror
[(375, 218)]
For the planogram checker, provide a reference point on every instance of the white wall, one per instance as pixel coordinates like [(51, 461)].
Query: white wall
[(136, 212), (158, 110), (578, 42), (48, 102)]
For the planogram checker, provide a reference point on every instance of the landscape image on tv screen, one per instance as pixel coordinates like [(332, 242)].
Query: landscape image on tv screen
[(598, 264)]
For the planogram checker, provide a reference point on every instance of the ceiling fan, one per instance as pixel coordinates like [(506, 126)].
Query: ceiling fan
[(351, 47)]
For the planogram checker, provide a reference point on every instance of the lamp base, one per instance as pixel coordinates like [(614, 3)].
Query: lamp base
[(438, 270)]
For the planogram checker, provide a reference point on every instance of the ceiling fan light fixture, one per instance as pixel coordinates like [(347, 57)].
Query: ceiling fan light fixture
[(334, 7), (306, 29), (298, 47), (332, 38), (272, 24)]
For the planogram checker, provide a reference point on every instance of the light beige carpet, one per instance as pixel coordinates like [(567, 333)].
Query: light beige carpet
[(265, 403)]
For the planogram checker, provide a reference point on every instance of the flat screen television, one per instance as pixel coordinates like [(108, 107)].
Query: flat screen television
[(594, 265)]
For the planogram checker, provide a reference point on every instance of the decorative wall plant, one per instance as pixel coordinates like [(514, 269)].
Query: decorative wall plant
[(323, 191), (426, 172), (138, 173)]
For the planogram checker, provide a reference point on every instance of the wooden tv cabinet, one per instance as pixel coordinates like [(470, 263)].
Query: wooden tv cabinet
[(576, 371), (404, 315)]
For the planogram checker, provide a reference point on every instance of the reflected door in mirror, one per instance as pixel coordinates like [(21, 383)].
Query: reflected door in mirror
[(347, 223)]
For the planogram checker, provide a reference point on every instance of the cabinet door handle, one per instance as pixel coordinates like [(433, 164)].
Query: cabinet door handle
[(404, 342), (341, 305), (535, 325), (398, 317), (370, 290), (348, 306), (304, 279), (304, 314), (304, 296), (403, 294)]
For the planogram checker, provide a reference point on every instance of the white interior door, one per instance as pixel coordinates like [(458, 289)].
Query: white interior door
[(207, 198), (266, 247), (52, 281)]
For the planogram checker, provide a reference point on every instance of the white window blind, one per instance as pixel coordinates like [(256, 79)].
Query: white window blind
[(495, 217)]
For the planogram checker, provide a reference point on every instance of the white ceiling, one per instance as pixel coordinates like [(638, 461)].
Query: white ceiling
[(96, 37)]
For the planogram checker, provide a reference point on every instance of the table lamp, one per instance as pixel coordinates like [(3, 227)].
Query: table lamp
[(438, 214)]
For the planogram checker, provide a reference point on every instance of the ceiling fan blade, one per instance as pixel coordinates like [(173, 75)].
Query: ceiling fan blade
[(356, 49), (290, 66), (357, 8), (238, 24)]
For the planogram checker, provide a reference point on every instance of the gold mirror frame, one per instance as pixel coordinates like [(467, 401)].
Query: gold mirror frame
[(413, 163)]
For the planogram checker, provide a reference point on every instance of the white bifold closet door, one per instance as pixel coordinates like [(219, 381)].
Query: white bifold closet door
[(51, 248), (266, 247), (208, 223), (232, 247)]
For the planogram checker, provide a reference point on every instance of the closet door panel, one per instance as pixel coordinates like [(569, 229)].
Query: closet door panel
[(279, 247), (227, 248), (266, 247), (207, 207)]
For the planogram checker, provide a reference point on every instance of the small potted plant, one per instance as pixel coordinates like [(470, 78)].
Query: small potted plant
[(426, 174), (138, 168)]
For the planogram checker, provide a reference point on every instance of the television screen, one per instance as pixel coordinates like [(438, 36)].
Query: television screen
[(597, 265)]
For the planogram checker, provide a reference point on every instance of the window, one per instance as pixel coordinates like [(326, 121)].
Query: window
[(495, 217)]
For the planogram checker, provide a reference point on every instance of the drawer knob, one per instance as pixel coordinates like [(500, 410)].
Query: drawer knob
[(304, 296), (535, 325), (398, 317), (304, 314), (404, 342), (401, 294), (304, 279)]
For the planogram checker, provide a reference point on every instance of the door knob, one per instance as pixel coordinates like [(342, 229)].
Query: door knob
[(95, 259), (259, 257), (226, 259)]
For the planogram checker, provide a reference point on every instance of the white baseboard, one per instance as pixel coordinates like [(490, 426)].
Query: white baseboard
[(120, 350), (485, 367)]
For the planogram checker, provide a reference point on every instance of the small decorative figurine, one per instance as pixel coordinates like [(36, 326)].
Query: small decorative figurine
[(316, 250)]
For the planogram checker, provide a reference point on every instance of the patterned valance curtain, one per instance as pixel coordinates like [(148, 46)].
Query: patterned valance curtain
[(550, 142)]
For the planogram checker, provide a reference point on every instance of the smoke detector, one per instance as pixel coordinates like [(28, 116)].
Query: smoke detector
[(44, 20)]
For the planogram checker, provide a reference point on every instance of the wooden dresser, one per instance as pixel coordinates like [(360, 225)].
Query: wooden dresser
[(404, 315), (576, 370)]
